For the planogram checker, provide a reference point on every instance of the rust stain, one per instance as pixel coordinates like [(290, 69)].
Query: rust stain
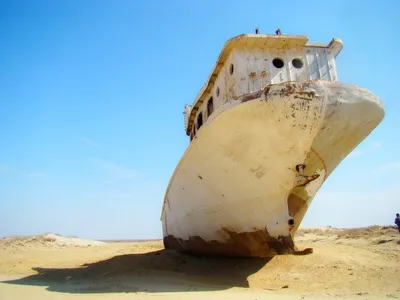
[(295, 89), (266, 90), (263, 74), (307, 180), (305, 95), (251, 96), (252, 75), (255, 95), (244, 244), (322, 162), (302, 98), (286, 90)]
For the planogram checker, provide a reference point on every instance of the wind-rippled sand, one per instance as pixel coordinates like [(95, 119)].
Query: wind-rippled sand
[(359, 263)]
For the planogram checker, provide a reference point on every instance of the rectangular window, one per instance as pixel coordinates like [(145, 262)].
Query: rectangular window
[(210, 107), (199, 120)]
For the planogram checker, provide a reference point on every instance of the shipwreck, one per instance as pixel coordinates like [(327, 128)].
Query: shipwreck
[(269, 126)]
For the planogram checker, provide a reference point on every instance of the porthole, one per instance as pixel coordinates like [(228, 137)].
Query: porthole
[(278, 63), (231, 69), (297, 63), (218, 91)]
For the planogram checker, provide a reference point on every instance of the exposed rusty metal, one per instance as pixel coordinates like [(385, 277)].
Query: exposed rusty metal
[(303, 179), (244, 244), (251, 96), (297, 90)]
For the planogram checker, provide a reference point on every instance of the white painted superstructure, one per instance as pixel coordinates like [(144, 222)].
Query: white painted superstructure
[(271, 105)]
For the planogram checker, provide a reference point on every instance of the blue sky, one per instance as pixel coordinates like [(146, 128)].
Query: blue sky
[(92, 95)]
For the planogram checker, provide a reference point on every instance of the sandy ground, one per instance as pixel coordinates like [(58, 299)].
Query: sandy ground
[(359, 263)]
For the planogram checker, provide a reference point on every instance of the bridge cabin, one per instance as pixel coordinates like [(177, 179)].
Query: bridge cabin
[(249, 62)]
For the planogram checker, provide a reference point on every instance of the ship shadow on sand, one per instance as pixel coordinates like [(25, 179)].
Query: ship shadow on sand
[(151, 272)]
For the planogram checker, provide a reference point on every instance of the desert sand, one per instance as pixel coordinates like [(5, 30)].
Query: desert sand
[(361, 263)]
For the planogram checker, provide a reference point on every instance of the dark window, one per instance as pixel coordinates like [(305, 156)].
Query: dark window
[(297, 63), (278, 63), (199, 120), (231, 69), (210, 107)]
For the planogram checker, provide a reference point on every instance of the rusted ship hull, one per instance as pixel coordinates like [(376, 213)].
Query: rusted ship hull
[(238, 190)]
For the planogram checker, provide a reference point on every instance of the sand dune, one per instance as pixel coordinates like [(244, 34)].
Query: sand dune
[(46, 240), (362, 263)]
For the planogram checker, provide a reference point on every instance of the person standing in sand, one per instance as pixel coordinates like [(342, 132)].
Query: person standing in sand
[(397, 221)]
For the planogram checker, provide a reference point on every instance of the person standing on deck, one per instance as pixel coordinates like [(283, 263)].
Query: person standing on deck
[(397, 221)]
